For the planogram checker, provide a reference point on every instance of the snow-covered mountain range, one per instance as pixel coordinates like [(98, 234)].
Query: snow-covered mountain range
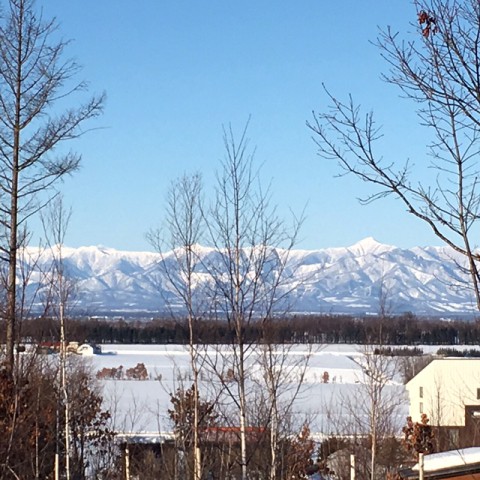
[(357, 279)]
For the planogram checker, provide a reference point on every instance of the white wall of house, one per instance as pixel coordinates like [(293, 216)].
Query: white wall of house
[(443, 389)]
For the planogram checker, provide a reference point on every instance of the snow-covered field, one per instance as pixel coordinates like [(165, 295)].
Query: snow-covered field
[(141, 406)]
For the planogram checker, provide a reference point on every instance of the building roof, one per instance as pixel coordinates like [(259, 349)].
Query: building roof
[(450, 464), (457, 365), (450, 459)]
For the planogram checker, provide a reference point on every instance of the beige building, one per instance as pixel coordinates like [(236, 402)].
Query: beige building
[(447, 390)]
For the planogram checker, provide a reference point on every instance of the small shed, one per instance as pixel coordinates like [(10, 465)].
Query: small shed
[(87, 349)]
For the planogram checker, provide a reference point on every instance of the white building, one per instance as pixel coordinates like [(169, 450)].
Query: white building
[(447, 391)]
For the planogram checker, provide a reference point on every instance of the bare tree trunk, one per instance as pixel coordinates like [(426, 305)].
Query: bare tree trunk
[(13, 243), (127, 462), (64, 390), (273, 439), (242, 412), (373, 461), (197, 454), (55, 225), (32, 75), (37, 436)]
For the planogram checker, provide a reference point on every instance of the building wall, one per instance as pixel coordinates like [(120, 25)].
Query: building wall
[(443, 389)]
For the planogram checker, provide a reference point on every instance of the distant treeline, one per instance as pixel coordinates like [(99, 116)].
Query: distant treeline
[(399, 330)]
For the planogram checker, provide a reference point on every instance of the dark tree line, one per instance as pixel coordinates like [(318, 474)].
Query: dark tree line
[(400, 330)]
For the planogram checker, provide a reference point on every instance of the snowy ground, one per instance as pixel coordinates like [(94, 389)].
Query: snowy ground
[(141, 406)]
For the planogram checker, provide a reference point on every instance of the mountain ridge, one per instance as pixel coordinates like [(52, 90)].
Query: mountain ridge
[(352, 280)]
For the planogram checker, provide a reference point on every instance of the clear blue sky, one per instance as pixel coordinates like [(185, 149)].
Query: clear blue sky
[(175, 71)]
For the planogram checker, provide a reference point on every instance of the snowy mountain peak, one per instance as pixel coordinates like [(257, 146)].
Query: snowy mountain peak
[(369, 246), (332, 280)]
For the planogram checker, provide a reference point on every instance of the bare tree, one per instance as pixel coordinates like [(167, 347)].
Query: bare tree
[(185, 225), (381, 404), (438, 70), (34, 78), (283, 372), (371, 412), (61, 291), (249, 268)]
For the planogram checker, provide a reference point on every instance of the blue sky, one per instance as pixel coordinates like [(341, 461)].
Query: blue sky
[(175, 71)]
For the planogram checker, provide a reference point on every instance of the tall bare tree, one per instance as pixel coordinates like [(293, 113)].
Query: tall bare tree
[(380, 405), (60, 295), (247, 266), (35, 78), (438, 70), (252, 244), (185, 226)]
